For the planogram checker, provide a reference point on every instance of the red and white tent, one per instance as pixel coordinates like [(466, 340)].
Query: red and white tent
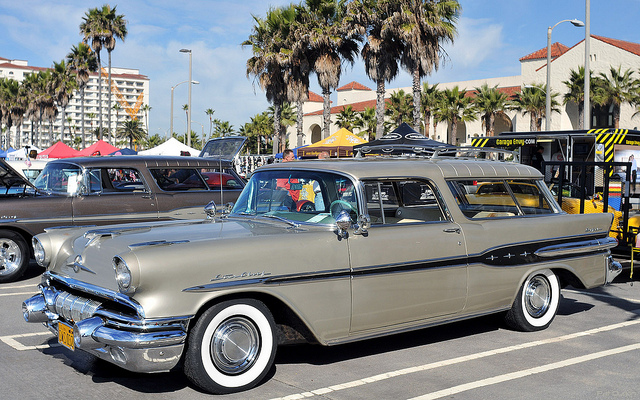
[(58, 150)]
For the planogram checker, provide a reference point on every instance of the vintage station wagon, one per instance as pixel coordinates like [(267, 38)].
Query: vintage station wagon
[(326, 251), (100, 191)]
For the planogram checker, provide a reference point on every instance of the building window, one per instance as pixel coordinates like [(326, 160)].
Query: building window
[(602, 116)]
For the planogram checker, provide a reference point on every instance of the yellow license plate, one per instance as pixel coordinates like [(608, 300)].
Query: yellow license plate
[(65, 335)]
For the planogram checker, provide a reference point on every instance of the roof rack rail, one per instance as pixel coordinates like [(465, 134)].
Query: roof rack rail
[(471, 149), (432, 152)]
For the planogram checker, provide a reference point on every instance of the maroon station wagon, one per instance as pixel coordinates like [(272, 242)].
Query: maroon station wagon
[(105, 190)]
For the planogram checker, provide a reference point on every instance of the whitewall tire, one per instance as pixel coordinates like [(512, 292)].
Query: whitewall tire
[(536, 303)]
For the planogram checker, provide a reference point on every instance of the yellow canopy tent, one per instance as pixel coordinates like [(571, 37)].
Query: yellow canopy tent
[(340, 144)]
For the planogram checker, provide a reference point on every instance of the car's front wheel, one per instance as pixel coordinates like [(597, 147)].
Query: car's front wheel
[(231, 347), (14, 256), (537, 302)]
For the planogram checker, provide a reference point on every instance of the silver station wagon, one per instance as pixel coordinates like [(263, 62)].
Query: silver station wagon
[(323, 251)]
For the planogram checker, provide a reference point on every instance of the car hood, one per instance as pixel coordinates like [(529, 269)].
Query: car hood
[(9, 177), (89, 253), (225, 148)]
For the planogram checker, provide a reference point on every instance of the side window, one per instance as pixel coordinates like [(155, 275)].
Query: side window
[(122, 180), (402, 201), (179, 179), (500, 198)]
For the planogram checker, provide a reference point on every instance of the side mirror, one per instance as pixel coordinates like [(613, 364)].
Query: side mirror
[(226, 209), (210, 210), (343, 221)]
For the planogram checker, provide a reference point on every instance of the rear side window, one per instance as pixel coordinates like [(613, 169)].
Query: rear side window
[(401, 201), (502, 198), (179, 179)]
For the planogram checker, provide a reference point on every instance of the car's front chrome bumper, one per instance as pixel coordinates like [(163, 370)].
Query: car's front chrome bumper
[(140, 345)]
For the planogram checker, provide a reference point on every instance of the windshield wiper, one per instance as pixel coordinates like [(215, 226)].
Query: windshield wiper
[(293, 224)]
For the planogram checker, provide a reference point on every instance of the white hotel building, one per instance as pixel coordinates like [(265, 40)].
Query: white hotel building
[(130, 90), (604, 54)]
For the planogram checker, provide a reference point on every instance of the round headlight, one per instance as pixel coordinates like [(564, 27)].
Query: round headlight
[(38, 252), (123, 274)]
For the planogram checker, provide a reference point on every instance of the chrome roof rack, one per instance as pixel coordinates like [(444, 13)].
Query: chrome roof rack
[(436, 152)]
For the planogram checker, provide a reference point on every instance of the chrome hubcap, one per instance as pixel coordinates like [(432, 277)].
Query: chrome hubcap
[(235, 345), (537, 296), (10, 256)]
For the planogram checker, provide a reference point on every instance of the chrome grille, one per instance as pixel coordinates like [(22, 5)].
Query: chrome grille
[(75, 308)]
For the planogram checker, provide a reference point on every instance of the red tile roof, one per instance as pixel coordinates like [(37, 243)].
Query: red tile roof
[(510, 91), (353, 86), (557, 49), (315, 98), (357, 107), (15, 66), (628, 46)]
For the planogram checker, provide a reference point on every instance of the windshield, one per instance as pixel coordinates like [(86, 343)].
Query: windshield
[(60, 178), (302, 196)]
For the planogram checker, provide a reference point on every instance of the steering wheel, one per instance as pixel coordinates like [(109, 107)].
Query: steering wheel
[(340, 205)]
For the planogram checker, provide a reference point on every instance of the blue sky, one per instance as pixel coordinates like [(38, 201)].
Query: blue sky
[(492, 36)]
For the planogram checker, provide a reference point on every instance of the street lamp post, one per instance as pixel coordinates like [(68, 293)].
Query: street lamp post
[(587, 72), (575, 22), (173, 87), (189, 102)]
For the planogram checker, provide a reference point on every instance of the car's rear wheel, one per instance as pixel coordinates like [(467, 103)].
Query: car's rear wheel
[(14, 256), (537, 302), (231, 347)]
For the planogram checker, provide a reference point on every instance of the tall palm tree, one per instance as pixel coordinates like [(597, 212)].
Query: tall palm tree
[(223, 128), (117, 27), (532, 100), (63, 85), (82, 61), (332, 40), (13, 102), (424, 25), (146, 109), (382, 48), (131, 129), (616, 88), (455, 107), (95, 29), (185, 108), (399, 107), (429, 100), (490, 102), (209, 112), (265, 64)]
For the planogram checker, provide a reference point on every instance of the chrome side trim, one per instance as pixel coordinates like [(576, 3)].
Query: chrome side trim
[(156, 243), (585, 246)]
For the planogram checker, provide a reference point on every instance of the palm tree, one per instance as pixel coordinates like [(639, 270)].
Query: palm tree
[(117, 28), (382, 49), (131, 129), (222, 128), (455, 107), (423, 26), (185, 108), (332, 40), (575, 93), (616, 89), (260, 127), (265, 66), (95, 29), (63, 84), (82, 61), (91, 117), (429, 100), (532, 100), (490, 102), (347, 118), (367, 122), (209, 112), (399, 107), (13, 100), (146, 109)]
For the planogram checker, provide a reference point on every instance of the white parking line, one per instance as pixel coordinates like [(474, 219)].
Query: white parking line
[(457, 360), (608, 296), (17, 293), (11, 341), (34, 286), (531, 371)]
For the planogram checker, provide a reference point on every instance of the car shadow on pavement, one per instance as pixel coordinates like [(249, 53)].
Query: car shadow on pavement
[(321, 355)]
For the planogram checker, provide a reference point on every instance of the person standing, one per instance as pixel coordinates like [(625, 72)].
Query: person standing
[(538, 158), (634, 172)]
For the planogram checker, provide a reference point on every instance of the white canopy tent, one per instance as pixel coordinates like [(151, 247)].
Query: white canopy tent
[(21, 153), (171, 147)]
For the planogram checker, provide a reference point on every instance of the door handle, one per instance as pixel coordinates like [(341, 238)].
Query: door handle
[(451, 230)]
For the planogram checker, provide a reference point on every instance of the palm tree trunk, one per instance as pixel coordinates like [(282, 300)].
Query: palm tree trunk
[(616, 116), (277, 110), (491, 128), (580, 116), (454, 131), (380, 91), (532, 122), (62, 129), (299, 127), (82, 113), (326, 112), (99, 96), (416, 100)]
